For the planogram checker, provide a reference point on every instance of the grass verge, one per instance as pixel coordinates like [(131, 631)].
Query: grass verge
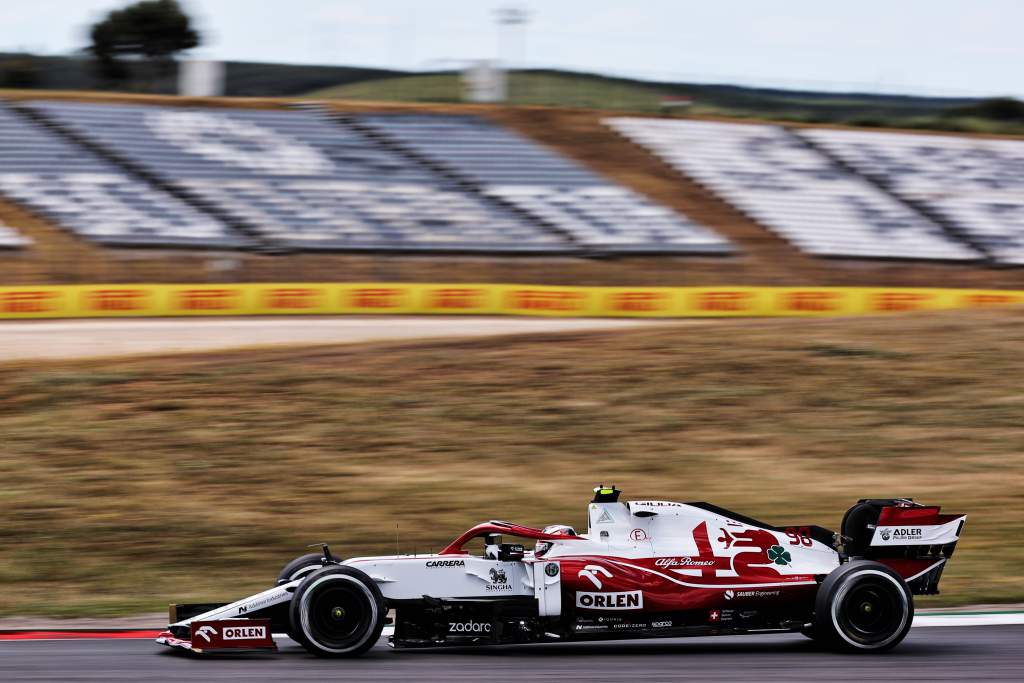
[(129, 483), (567, 89)]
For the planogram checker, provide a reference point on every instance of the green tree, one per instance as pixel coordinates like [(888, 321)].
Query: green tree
[(153, 31), (20, 71), (994, 108)]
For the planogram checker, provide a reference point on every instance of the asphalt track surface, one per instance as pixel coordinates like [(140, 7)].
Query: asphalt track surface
[(32, 339), (993, 653)]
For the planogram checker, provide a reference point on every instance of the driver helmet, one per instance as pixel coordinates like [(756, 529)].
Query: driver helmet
[(552, 530)]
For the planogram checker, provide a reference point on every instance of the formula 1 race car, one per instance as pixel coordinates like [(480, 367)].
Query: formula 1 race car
[(644, 569)]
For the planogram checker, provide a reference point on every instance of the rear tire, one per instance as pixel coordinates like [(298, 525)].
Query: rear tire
[(337, 611), (863, 606)]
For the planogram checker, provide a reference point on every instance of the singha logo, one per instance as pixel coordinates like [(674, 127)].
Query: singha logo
[(886, 534), (498, 576)]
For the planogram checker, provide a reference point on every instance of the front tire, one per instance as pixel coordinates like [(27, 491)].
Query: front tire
[(863, 606), (337, 611), (301, 566), (296, 569)]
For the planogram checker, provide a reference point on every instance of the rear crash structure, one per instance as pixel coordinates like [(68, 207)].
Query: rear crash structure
[(643, 569)]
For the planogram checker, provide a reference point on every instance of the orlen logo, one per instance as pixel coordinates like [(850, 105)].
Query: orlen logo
[(457, 298), (376, 297), (27, 302), (545, 300), (899, 301), (244, 632), (293, 298), (116, 299), (724, 301), (593, 573), (638, 302), (811, 301), (206, 299), (205, 632), (624, 600)]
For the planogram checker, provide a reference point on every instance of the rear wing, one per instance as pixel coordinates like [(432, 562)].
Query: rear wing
[(916, 541), (917, 526)]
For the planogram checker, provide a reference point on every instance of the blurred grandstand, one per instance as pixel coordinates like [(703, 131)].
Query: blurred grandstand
[(146, 188)]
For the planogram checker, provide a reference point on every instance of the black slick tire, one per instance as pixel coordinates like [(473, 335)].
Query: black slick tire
[(300, 566), (863, 606), (337, 611)]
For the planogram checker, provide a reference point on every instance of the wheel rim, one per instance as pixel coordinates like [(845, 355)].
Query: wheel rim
[(871, 611), (338, 613)]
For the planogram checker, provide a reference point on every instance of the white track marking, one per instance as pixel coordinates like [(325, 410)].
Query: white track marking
[(73, 339), (996, 619), (23, 340)]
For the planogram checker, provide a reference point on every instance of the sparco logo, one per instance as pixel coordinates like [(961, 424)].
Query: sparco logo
[(446, 563), (469, 627), (625, 600), (244, 632), (682, 562)]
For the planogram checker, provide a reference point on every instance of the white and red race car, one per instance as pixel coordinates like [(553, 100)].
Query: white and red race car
[(644, 569)]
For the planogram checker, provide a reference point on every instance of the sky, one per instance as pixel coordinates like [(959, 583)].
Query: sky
[(941, 47)]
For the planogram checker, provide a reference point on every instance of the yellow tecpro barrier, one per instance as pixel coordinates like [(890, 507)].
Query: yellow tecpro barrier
[(84, 301)]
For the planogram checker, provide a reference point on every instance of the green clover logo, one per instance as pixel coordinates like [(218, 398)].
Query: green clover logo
[(779, 555)]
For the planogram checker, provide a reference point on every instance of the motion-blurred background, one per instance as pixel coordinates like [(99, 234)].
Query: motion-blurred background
[(661, 144)]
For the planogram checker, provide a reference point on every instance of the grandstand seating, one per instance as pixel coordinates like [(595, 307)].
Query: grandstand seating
[(81, 191), (977, 185), (10, 239), (498, 163), (301, 181), (789, 187)]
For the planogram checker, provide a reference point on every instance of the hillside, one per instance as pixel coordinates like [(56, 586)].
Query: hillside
[(242, 79), (196, 477), (594, 91), (550, 87)]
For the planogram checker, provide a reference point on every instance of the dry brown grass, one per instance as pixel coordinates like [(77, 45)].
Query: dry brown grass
[(128, 483)]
